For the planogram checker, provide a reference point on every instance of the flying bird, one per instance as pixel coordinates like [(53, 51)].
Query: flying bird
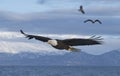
[(93, 21), (66, 44), (82, 10)]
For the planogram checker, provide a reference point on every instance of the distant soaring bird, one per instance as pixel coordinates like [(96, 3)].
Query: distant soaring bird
[(81, 10), (89, 20), (66, 43)]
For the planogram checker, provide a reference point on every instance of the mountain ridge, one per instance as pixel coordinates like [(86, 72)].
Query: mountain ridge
[(111, 58)]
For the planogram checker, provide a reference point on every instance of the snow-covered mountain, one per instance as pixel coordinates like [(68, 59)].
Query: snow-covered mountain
[(77, 59)]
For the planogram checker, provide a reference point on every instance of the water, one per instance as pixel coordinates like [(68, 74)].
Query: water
[(58, 71)]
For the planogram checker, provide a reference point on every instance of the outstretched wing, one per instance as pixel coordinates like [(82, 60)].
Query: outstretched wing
[(77, 42), (98, 21), (81, 9), (44, 39), (88, 21)]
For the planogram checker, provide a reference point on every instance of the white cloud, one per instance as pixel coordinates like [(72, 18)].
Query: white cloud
[(10, 35), (13, 35), (14, 42), (17, 47)]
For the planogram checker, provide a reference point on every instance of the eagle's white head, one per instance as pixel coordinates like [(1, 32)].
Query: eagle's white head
[(53, 42)]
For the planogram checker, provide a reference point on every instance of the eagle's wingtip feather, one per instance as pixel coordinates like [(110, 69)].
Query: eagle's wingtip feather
[(22, 32)]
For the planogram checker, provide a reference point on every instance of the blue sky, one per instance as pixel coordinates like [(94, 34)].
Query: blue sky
[(23, 6), (59, 18)]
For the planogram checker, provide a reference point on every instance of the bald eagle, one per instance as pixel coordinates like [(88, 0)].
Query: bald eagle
[(66, 43), (93, 21), (81, 10)]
